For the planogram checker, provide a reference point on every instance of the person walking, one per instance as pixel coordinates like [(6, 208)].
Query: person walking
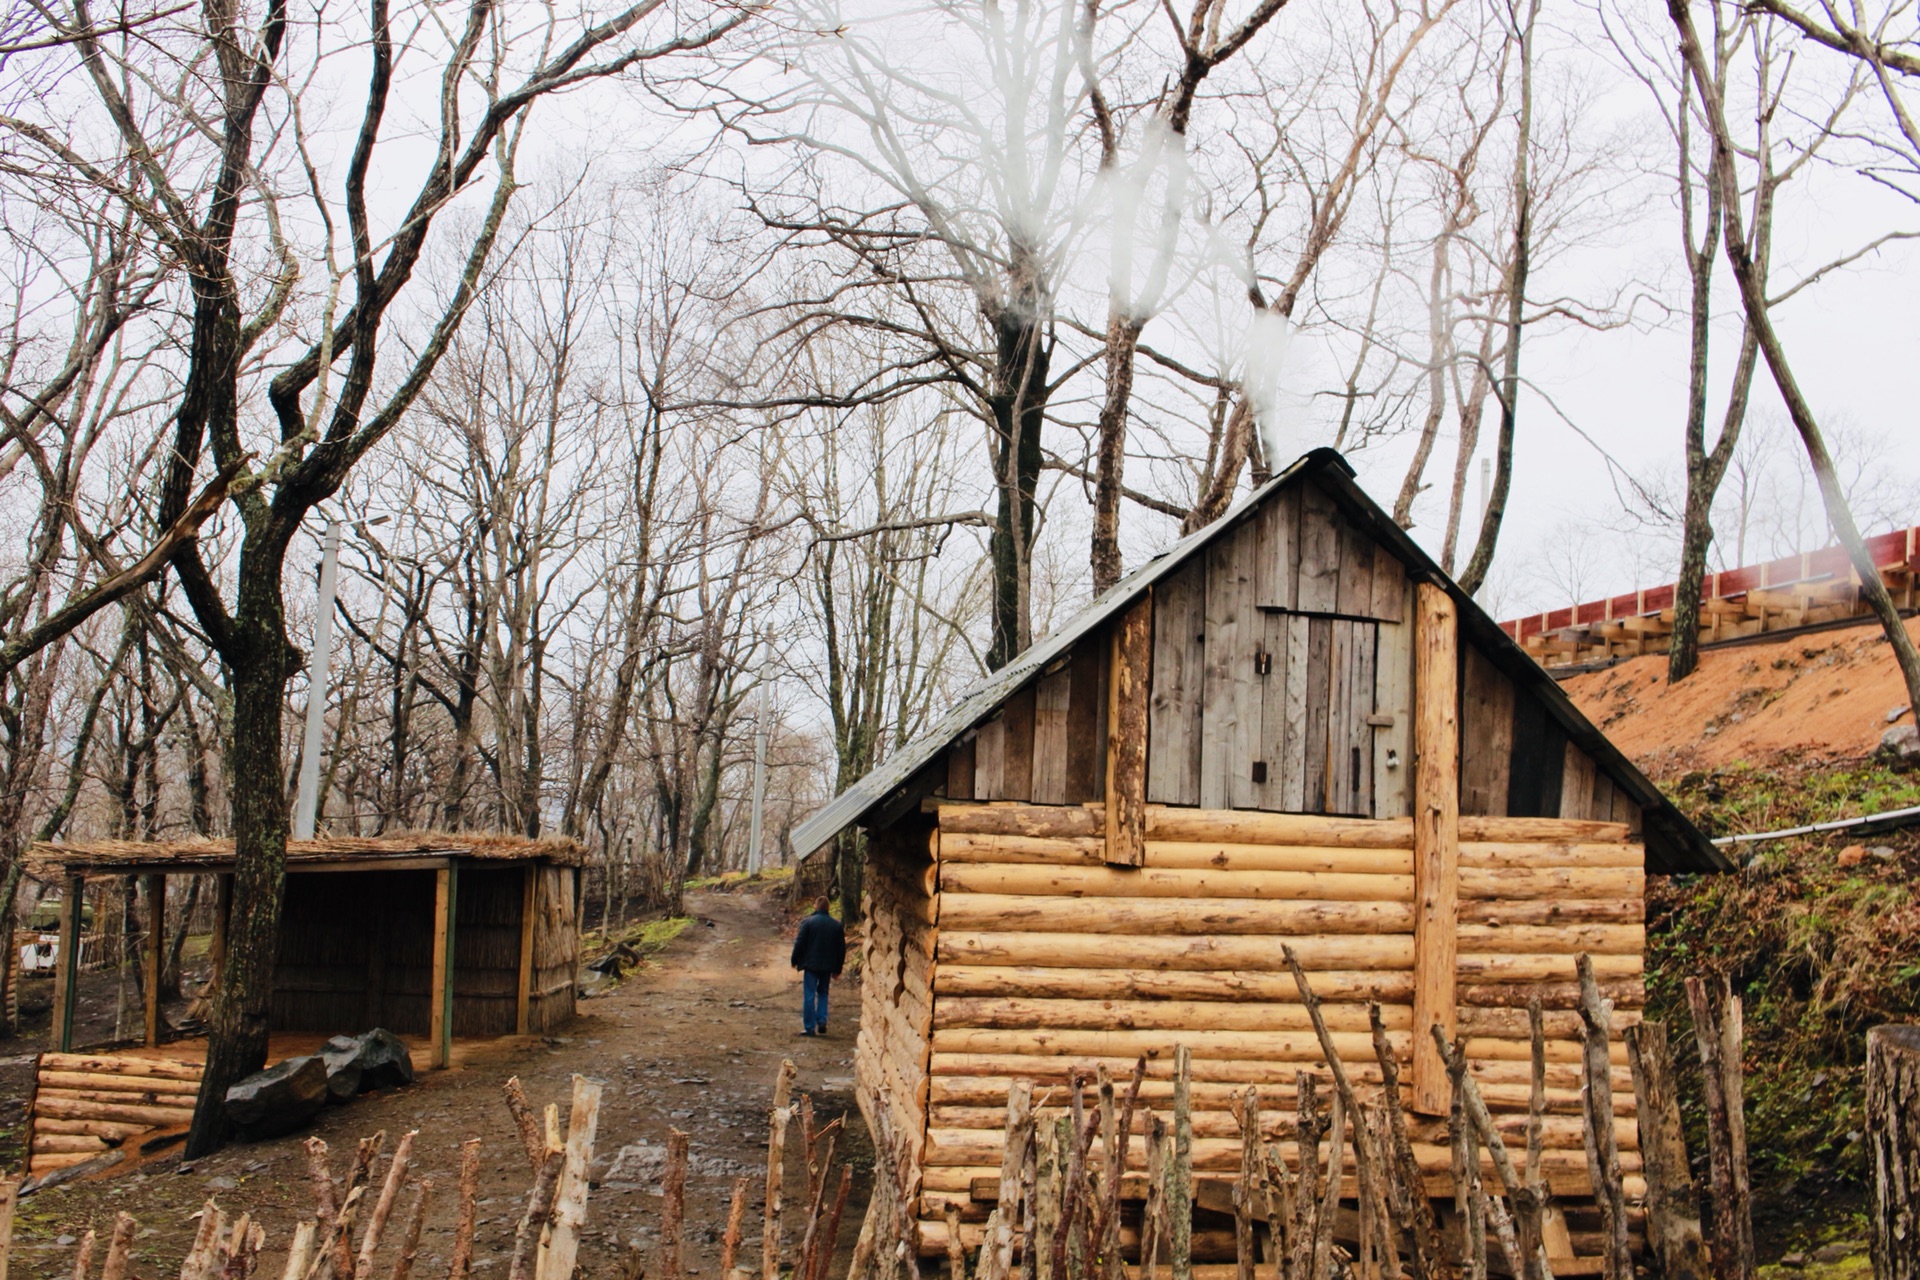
[(819, 954)]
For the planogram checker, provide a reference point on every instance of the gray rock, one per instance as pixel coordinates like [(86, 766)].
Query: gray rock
[(1900, 746), (375, 1060), (1894, 713), (1793, 1261), (1884, 852), (280, 1099), (1838, 1251)]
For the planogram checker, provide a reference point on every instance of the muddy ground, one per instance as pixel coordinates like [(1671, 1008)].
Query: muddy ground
[(693, 1041)]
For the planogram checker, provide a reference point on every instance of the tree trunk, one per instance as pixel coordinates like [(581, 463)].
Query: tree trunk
[(1481, 561), (1893, 1144), (1123, 337), (1673, 1210), (850, 859), (1018, 405), (1749, 274), (239, 1025), (1717, 1029)]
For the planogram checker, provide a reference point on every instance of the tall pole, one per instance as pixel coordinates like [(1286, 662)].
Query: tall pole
[(759, 778), (1486, 500), (307, 806)]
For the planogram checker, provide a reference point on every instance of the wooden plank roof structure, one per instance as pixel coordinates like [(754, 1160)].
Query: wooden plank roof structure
[(1673, 844), (130, 857)]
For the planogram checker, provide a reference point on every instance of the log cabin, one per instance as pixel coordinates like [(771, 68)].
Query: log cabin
[(1290, 728)]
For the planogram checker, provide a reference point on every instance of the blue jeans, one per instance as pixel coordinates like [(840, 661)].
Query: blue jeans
[(813, 1000)]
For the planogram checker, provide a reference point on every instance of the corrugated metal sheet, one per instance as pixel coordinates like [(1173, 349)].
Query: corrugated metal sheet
[(1673, 843)]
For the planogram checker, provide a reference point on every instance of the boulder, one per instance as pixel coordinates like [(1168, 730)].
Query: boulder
[(379, 1058), (280, 1099), (345, 1079), (1900, 746)]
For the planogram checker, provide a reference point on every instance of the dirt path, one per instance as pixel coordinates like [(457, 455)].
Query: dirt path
[(693, 1042)]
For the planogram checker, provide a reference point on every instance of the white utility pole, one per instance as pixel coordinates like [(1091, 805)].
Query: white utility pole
[(759, 778), (307, 805)]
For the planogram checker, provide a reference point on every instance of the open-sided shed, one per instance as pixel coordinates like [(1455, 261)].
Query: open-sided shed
[(425, 934), (1290, 728)]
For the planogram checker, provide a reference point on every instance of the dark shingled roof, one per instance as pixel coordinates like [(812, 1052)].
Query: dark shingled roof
[(1674, 844)]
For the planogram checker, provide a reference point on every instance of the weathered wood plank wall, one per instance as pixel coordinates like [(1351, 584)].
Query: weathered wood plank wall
[(1281, 680)]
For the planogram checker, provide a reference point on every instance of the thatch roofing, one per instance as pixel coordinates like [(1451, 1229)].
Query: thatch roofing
[(126, 856)]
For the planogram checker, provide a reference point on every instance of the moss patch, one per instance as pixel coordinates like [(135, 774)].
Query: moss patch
[(1821, 938)]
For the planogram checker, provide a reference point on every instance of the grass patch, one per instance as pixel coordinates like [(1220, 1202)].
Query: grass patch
[(644, 940), (1819, 952), (735, 881)]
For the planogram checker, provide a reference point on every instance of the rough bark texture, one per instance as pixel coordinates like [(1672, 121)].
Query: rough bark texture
[(1673, 1210), (1716, 1028), (1018, 405), (1123, 337), (1893, 1142)]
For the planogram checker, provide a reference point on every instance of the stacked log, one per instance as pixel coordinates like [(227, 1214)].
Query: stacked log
[(1047, 960), (85, 1105), (890, 1057)]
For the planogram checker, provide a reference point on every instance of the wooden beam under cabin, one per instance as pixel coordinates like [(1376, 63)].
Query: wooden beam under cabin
[(1128, 686), (156, 947), (1436, 840), (523, 1001), (440, 1029), (66, 969)]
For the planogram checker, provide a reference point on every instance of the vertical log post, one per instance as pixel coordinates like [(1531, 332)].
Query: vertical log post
[(1436, 840), (1127, 687), (9, 1197), (1673, 1210), (446, 887), (1893, 1146), (156, 886), (523, 992), (1717, 1029), (66, 969)]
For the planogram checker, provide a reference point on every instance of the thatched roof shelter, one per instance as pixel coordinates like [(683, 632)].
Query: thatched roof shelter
[(423, 933)]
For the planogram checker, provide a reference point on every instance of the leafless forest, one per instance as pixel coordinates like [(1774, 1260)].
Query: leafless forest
[(686, 370)]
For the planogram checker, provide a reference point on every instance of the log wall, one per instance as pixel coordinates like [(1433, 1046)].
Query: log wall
[(1046, 959), (896, 984)]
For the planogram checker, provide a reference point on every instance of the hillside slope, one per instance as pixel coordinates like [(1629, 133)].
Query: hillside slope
[(1820, 936), (1824, 694)]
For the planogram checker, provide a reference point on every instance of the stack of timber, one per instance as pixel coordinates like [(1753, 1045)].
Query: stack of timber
[(1813, 589), (85, 1105), (1048, 962), (890, 1057)]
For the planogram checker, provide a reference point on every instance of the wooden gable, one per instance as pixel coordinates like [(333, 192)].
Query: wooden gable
[(1281, 679)]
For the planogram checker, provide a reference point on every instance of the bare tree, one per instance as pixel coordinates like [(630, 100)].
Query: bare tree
[(1748, 48), (212, 186), (1747, 274)]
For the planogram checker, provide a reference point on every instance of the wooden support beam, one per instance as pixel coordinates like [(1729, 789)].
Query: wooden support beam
[(1436, 839), (1128, 684), (156, 886), (66, 969), (446, 886), (529, 902)]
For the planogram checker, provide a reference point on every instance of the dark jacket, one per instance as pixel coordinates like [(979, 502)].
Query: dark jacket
[(821, 946)]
